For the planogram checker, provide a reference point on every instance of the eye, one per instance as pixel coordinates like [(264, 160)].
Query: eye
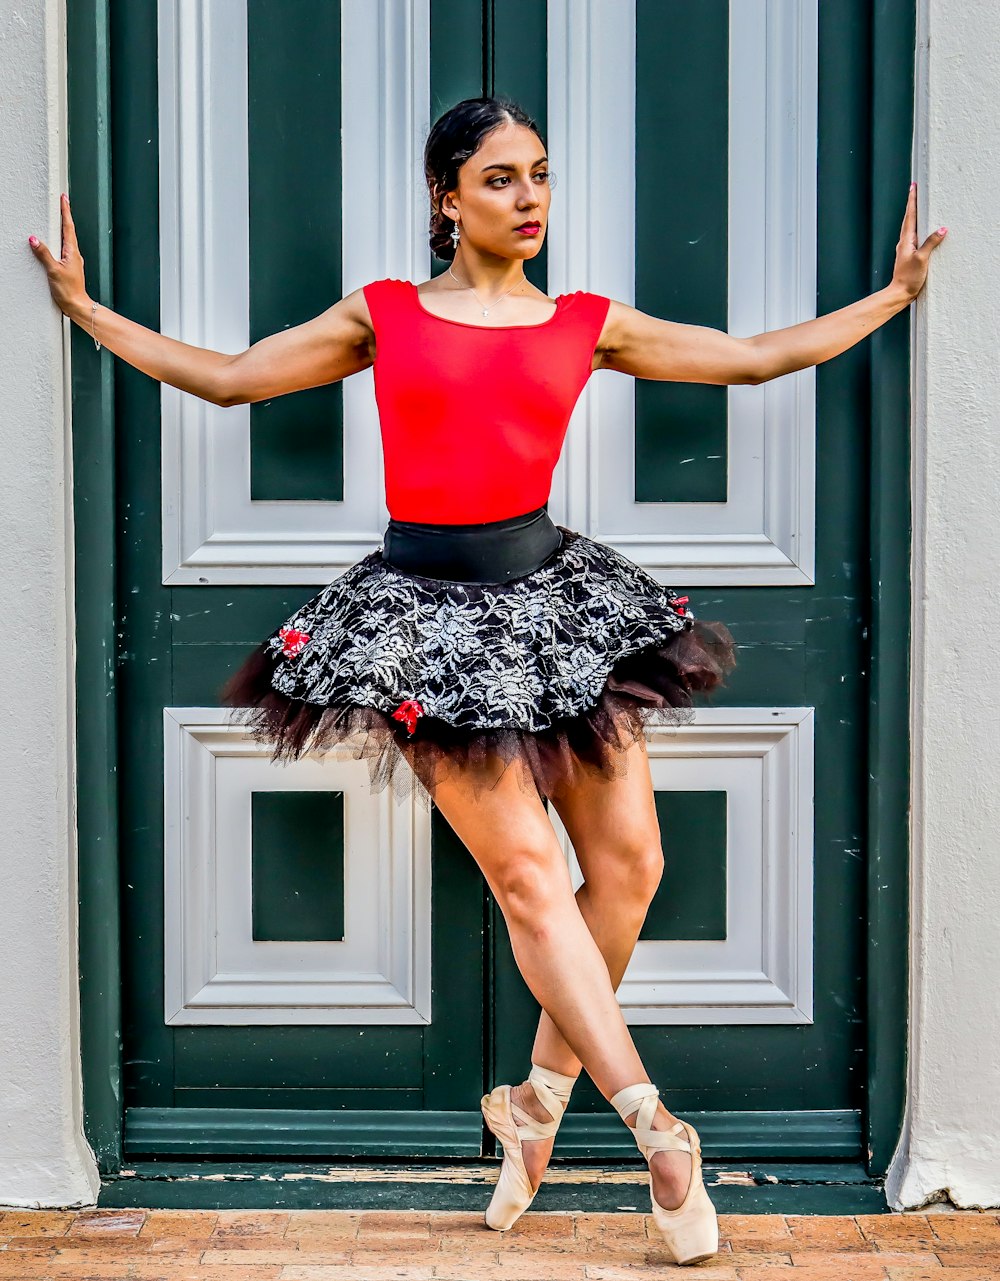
[(542, 173)]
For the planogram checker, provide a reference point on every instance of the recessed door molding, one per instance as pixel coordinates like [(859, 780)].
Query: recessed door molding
[(212, 531), (214, 970), (762, 971), (763, 534)]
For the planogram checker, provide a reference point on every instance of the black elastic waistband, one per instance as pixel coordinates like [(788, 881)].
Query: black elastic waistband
[(494, 551)]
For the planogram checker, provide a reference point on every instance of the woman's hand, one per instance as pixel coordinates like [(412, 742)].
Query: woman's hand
[(322, 350), (647, 347), (910, 271), (66, 279)]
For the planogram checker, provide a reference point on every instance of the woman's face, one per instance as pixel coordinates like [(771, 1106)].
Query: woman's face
[(504, 184)]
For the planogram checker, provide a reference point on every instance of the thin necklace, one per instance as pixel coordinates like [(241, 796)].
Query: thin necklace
[(486, 310)]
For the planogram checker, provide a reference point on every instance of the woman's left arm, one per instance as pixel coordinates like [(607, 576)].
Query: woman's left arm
[(647, 347)]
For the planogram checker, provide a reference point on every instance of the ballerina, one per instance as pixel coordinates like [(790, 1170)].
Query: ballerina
[(484, 655)]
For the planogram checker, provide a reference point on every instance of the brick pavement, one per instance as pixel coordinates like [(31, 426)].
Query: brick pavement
[(376, 1245)]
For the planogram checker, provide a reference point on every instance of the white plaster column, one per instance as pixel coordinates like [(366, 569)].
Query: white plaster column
[(950, 1147), (44, 1158)]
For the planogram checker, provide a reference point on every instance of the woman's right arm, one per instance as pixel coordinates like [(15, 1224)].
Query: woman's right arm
[(325, 349)]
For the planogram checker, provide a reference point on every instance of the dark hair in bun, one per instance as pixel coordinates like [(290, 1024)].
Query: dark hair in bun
[(453, 138)]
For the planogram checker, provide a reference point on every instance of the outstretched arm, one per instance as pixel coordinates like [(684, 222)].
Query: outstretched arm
[(647, 347), (323, 350)]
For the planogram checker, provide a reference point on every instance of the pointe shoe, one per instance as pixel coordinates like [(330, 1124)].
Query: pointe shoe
[(513, 1193), (691, 1230)]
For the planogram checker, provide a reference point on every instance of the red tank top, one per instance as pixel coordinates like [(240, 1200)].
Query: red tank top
[(473, 418)]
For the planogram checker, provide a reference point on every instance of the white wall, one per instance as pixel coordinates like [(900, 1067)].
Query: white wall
[(44, 1159), (951, 1144)]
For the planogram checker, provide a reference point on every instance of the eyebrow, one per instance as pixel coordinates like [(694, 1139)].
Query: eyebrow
[(513, 168)]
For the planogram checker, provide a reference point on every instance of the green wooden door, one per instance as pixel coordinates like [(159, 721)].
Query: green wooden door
[(310, 971), (747, 995), (304, 965)]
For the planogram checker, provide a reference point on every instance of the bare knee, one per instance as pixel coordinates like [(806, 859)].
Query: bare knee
[(630, 866), (529, 882), (510, 835)]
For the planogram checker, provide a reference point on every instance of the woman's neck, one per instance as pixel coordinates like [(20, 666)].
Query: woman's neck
[(487, 282)]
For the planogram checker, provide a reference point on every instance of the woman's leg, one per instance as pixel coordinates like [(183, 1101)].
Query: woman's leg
[(508, 832), (615, 834)]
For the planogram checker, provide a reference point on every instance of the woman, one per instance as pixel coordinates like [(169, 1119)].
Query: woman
[(483, 653)]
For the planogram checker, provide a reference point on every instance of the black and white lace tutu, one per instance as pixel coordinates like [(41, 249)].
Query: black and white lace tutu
[(559, 669)]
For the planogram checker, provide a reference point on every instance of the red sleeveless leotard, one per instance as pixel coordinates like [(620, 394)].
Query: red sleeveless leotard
[(473, 418)]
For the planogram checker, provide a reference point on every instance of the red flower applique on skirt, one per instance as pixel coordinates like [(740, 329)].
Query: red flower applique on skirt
[(407, 713), (293, 640)]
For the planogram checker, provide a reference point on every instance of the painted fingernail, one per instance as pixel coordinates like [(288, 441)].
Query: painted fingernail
[(32, 240), (942, 231), (912, 185), (64, 196)]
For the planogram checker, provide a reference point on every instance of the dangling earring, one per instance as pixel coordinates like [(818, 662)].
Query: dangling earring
[(455, 235)]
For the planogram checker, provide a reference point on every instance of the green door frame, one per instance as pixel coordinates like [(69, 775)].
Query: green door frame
[(93, 393)]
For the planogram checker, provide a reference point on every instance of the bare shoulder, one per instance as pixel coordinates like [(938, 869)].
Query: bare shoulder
[(618, 324), (327, 348), (346, 325), (634, 342), (627, 330), (352, 312)]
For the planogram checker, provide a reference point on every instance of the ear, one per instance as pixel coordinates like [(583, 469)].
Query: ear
[(449, 208)]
